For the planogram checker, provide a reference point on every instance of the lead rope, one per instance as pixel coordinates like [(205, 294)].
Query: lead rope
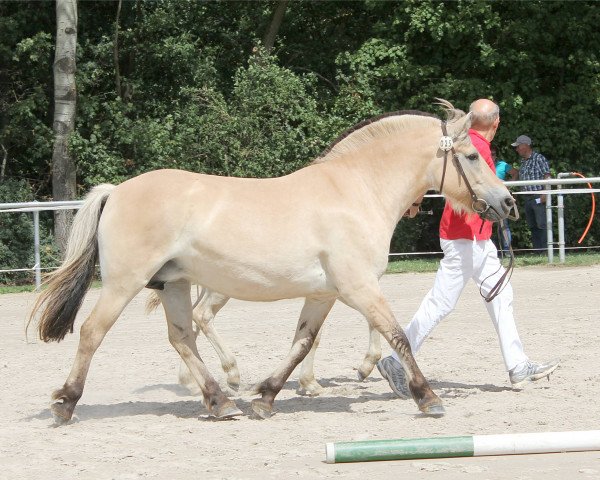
[(505, 277)]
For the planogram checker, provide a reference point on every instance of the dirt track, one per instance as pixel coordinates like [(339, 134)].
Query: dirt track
[(134, 421)]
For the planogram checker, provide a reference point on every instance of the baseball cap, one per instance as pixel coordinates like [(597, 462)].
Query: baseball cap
[(522, 139)]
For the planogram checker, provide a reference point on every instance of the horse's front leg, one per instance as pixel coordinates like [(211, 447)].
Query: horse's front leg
[(368, 300), (372, 356), (311, 319)]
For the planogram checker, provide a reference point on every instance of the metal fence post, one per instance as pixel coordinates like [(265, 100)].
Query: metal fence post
[(36, 246), (549, 233)]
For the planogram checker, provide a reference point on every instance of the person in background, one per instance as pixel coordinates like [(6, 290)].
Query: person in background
[(505, 172), (469, 254), (534, 166)]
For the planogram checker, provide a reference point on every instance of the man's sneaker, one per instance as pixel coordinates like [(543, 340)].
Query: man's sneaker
[(530, 372), (392, 370)]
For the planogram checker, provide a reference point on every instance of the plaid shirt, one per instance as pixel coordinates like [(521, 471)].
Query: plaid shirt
[(534, 168)]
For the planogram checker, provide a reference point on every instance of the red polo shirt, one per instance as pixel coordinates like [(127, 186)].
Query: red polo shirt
[(454, 226)]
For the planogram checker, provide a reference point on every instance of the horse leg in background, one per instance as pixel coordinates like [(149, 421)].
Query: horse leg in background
[(369, 301), (105, 313), (372, 356), (178, 308), (307, 385), (204, 313), (311, 319)]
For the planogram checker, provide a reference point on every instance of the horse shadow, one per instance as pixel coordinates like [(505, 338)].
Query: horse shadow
[(454, 389), (327, 402)]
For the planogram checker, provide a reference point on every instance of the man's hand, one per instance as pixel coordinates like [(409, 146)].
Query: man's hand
[(414, 208)]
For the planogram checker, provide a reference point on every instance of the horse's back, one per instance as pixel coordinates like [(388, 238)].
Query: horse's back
[(223, 232)]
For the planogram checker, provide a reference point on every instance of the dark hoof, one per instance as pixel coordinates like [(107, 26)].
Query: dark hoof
[(263, 409), (61, 413), (226, 411)]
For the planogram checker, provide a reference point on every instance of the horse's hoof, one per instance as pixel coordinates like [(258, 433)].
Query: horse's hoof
[(227, 411), (60, 414), (263, 409), (361, 376), (435, 410), (235, 386), (310, 389)]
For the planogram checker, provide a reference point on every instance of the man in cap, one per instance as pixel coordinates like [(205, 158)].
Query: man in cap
[(534, 166)]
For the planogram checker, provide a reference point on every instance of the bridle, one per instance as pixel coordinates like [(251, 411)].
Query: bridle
[(479, 206)]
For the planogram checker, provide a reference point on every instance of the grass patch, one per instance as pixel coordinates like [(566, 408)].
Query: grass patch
[(421, 265)]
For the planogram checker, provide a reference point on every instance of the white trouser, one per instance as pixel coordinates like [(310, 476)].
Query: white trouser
[(465, 259)]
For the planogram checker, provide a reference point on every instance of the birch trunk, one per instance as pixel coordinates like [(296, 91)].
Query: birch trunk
[(276, 21), (65, 94)]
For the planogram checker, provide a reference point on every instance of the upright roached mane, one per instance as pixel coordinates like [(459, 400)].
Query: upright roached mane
[(322, 233)]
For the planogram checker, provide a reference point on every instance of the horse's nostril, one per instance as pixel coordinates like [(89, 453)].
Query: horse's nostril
[(509, 201)]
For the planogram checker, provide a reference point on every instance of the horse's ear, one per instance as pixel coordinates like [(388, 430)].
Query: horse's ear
[(460, 127)]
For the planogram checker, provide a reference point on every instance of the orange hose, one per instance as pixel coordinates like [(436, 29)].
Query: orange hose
[(587, 229)]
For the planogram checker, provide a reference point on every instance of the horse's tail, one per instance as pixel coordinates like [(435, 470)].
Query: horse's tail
[(152, 302), (66, 286)]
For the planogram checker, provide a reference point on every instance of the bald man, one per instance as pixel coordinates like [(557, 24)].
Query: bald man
[(469, 253)]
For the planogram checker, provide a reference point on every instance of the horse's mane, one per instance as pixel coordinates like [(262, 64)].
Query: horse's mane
[(385, 124)]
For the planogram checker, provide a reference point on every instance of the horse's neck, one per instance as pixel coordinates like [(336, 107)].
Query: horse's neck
[(392, 178)]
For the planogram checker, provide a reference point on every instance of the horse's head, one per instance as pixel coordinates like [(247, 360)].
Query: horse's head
[(463, 175)]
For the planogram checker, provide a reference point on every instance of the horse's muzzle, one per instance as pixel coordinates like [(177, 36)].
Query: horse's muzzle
[(489, 212)]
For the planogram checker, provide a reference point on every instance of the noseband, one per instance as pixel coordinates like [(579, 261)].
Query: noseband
[(479, 206)]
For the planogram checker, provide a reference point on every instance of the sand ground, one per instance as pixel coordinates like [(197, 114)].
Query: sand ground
[(134, 420)]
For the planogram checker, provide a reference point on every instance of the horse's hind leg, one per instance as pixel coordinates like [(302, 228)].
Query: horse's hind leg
[(103, 316), (307, 385), (311, 319), (204, 313), (178, 308), (372, 356)]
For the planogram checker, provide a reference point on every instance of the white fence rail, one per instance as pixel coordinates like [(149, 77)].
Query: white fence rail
[(37, 207)]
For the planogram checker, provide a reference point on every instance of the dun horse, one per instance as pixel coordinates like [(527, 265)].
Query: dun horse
[(321, 233)]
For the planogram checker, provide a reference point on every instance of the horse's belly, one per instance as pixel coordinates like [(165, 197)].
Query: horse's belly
[(264, 284)]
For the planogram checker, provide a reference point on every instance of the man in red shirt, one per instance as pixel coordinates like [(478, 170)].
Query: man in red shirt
[(469, 253)]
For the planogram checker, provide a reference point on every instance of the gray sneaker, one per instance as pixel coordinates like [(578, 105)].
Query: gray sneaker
[(393, 371), (531, 372)]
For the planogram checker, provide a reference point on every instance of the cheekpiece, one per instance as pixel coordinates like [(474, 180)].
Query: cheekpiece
[(446, 143)]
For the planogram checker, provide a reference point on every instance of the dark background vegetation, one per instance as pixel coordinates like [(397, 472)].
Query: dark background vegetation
[(199, 92)]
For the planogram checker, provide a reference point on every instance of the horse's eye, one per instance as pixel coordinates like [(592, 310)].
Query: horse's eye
[(473, 157)]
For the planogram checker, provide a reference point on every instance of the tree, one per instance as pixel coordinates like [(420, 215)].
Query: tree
[(65, 95), (269, 38)]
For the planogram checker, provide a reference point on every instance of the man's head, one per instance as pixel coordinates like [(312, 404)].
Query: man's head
[(485, 117), (523, 146)]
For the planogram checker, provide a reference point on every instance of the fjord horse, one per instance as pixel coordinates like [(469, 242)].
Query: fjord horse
[(321, 233)]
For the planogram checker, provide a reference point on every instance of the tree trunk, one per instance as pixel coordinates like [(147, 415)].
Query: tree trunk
[(276, 21), (116, 52), (65, 93)]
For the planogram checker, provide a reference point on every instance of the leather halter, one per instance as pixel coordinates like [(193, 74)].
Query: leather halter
[(446, 145), (479, 205)]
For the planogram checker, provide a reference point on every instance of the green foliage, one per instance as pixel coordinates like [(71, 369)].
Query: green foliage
[(16, 233), (198, 93)]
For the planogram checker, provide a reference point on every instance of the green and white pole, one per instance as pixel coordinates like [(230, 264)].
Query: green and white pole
[(467, 446)]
